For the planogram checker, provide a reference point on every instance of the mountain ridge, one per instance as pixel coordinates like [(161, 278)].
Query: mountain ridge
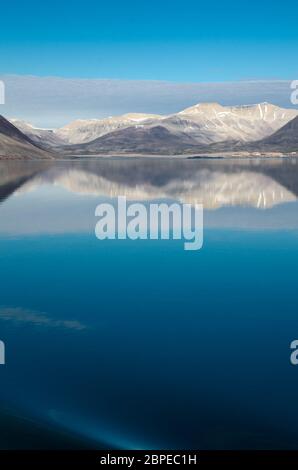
[(206, 127), (15, 144), (206, 122)]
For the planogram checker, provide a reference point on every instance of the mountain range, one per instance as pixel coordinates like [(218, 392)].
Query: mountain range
[(206, 128)]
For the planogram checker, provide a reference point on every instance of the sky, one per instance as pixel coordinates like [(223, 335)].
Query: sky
[(189, 41)]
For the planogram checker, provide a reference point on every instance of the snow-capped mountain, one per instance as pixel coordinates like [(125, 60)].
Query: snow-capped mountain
[(216, 123), (205, 123), (202, 124), (82, 131)]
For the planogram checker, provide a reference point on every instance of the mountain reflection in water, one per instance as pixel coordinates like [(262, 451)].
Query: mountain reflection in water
[(214, 183)]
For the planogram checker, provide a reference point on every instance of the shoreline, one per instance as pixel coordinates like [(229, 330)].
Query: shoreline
[(217, 156)]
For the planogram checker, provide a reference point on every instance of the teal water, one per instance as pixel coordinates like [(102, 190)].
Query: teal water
[(140, 344)]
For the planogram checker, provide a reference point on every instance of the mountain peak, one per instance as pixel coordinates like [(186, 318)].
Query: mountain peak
[(140, 116), (203, 108)]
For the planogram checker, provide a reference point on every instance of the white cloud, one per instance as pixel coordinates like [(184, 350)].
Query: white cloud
[(53, 101)]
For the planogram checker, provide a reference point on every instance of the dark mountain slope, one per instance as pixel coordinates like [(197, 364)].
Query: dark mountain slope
[(284, 140), (147, 140), (16, 145)]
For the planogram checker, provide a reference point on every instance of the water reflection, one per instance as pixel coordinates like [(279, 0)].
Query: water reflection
[(41, 197), (216, 184)]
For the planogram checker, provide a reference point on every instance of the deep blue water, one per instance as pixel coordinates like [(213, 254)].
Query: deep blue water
[(140, 344)]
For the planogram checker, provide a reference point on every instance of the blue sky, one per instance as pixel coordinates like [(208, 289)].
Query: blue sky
[(190, 41)]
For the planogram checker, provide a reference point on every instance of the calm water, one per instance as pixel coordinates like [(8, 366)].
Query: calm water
[(122, 344)]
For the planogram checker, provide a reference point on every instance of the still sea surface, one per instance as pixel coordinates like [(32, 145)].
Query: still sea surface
[(141, 344)]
